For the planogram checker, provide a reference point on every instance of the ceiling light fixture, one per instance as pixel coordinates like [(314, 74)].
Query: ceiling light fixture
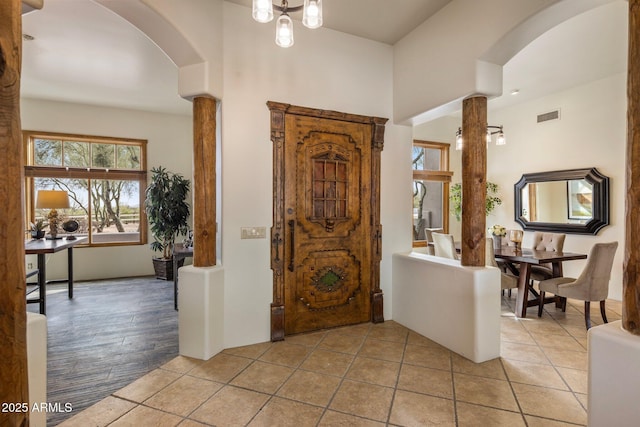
[(311, 17), (491, 130)]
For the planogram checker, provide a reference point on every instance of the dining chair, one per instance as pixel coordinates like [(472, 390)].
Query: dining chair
[(591, 285), (428, 234), (545, 242), (443, 245), (507, 281)]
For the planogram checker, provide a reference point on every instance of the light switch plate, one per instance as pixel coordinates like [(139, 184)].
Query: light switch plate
[(253, 232)]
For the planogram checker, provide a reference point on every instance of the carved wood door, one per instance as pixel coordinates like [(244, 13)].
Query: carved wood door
[(326, 234)]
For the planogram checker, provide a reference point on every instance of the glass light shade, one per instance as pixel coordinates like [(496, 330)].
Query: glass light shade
[(488, 135), (262, 10), (459, 140), (312, 14), (501, 139), (516, 237), (284, 31), (52, 199)]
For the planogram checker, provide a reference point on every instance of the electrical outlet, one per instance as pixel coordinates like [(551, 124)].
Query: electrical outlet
[(30, 266), (253, 232)]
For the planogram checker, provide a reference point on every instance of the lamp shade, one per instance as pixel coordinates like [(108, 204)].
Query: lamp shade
[(312, 14), (262, 10), (52, 199), (284, 31)]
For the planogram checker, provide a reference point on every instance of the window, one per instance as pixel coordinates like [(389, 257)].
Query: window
[(104, 177), (431, 178), (329, 188)]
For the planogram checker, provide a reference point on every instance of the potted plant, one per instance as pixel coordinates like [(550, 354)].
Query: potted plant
[(37, 229), (168, 211), (455, 197)]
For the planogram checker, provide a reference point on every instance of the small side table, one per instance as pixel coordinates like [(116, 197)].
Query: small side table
[(179, 252)]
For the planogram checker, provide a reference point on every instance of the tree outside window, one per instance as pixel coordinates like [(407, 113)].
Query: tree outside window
[(104, 177)]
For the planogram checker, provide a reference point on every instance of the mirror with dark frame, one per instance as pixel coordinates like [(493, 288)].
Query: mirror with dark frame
[(564, 201)]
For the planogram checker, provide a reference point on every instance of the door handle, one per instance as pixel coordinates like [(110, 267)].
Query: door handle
[(292, 244)]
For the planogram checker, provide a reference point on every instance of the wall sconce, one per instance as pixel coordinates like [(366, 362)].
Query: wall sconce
[(262, 11), (491, 130), (52, 199)]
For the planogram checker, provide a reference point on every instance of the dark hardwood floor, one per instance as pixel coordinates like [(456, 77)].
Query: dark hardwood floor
[(111, 333)]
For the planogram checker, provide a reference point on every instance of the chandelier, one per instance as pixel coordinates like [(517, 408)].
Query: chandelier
[(491, 130), (311, 17)]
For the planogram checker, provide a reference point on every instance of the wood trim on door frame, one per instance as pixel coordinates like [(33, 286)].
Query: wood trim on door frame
[(278, 111)]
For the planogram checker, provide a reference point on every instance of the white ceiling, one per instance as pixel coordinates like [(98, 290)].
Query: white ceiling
[(385, 21), (84, 53)]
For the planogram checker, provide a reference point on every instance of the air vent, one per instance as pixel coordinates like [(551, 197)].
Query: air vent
[(551, 115)]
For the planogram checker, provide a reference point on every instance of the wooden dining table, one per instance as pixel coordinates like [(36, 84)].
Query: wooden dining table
[(526, 258)]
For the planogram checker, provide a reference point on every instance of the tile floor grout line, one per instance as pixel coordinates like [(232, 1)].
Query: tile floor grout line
[(395, 388), (529, 328), (453, 390), (513, 391), (555, 367), (342, 378)]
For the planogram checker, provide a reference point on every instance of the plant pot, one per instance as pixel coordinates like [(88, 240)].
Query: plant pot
[(37, 234), (164, 268)]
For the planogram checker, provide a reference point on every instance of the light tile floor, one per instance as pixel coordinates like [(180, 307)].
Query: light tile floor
[(371, 375)]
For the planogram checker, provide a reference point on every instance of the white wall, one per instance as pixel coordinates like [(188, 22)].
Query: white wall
[(440, 61), (590, 133), (170, 143), (324, 69)]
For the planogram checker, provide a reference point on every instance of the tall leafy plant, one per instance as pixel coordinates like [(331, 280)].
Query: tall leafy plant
[(491, 202), (167, 209)]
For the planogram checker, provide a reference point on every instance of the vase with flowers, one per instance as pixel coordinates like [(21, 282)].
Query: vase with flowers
[(498, 233)]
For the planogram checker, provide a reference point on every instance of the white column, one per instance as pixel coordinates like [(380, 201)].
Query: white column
[(614, 376), (201, 311)]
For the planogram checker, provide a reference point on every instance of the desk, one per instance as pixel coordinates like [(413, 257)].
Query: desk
[(527, 258), (179, 253), (41, 247)]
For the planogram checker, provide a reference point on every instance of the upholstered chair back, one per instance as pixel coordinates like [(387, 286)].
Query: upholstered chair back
[(548, 241), (594, 279), (428, 233), (443, 245), (507, 281), (489, 254)]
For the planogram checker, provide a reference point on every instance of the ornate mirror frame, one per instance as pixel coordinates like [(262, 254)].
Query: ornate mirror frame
[(600, 217)]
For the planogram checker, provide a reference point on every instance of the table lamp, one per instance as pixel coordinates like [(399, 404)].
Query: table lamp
[(52, 199)]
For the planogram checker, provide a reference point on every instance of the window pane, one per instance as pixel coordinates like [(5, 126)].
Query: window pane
[(115, 208), (329, 189), (426, 158), (78, 201), (128, 157), (427, 207), (107, 211), (47, 152), (103, 155), (76, 154)]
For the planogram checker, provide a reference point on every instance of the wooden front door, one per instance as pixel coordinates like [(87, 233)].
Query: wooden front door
[(326, 234)]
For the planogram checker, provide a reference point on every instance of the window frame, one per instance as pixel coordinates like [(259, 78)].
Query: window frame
[(32, 171), (443, 175)]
